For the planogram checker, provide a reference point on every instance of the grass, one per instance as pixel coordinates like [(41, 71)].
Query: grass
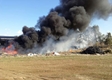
[(75, 67)]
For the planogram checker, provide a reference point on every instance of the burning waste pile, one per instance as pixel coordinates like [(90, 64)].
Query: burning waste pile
[(92, 50), (9, 50), (65, 27)]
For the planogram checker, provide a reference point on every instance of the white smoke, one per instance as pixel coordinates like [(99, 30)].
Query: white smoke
[(74, 40)]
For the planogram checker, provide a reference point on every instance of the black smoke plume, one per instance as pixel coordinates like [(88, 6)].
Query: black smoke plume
[(74, 14), (68, 15)]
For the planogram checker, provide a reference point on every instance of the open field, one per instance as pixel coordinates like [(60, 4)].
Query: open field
[(69, 67)]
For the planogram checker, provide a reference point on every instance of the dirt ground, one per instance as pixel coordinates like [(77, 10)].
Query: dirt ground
[(67, 67)]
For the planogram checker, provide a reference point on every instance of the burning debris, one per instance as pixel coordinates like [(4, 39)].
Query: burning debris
[(93, 50), (10, 50), (7, 47), (62, 27)]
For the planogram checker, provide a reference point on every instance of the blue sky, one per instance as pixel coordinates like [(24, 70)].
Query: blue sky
[(14, 14)]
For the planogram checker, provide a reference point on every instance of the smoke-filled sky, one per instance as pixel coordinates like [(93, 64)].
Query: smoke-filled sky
[(14, 14)]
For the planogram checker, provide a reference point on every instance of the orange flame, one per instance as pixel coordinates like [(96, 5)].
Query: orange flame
[(10, 50)]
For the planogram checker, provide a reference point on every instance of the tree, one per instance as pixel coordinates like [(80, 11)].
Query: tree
[(108, 40)]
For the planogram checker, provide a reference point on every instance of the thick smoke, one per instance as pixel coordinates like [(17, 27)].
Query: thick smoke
[(74, 14), (80, 12), (64, 23)]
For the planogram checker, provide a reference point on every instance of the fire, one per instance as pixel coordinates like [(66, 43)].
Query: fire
[(71, 50), (10, 50)]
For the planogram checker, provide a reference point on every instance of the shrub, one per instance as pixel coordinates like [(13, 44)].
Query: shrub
[(108, 40)]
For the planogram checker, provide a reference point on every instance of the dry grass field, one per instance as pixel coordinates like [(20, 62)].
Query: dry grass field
[(69, 67)]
